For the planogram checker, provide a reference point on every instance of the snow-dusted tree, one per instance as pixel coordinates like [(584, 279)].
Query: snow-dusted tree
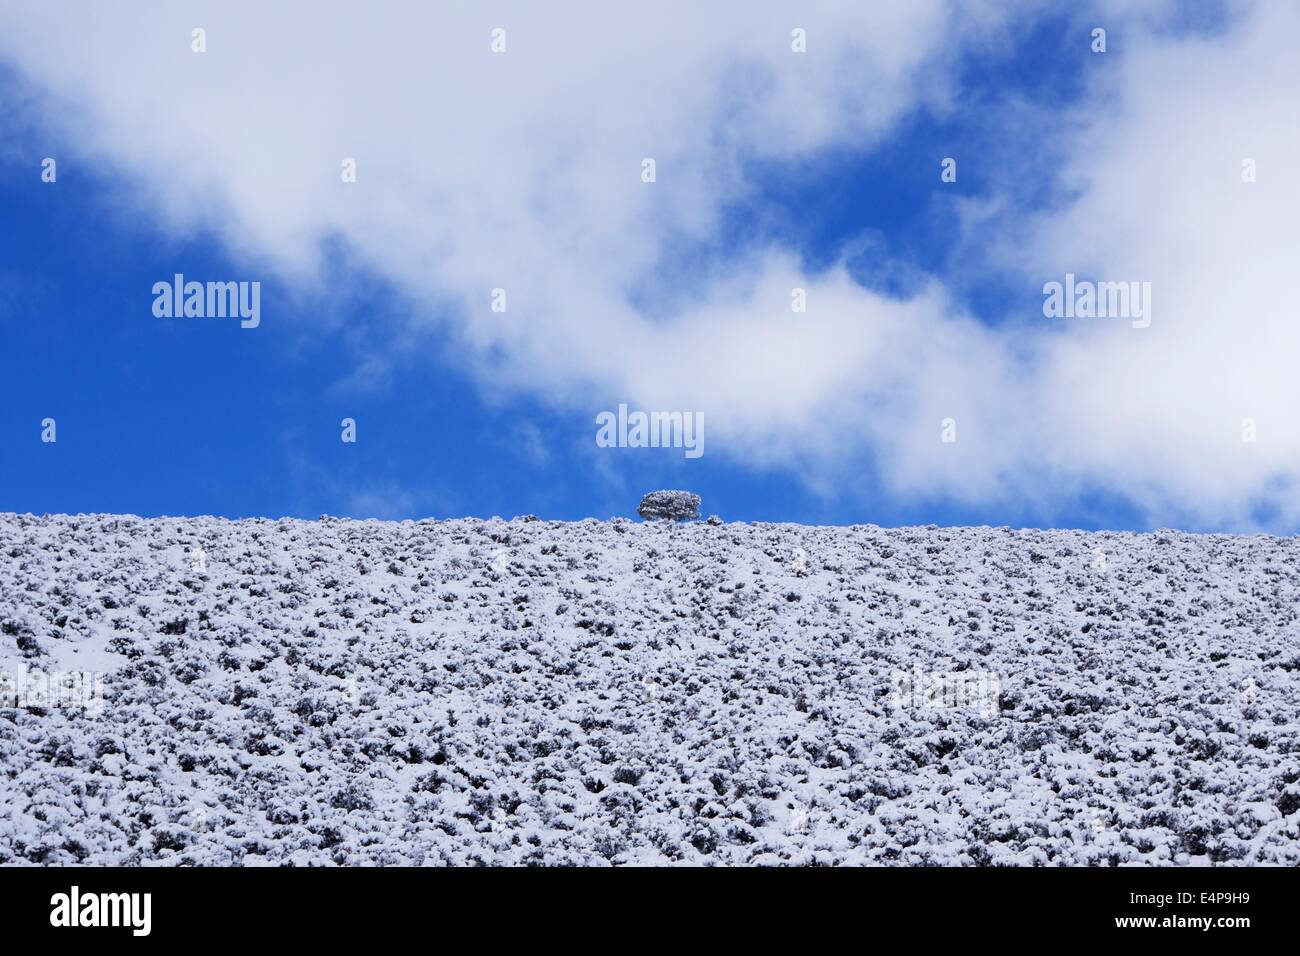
[(670, 506)]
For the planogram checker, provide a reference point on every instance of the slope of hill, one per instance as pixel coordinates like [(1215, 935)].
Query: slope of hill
[(274, 692)]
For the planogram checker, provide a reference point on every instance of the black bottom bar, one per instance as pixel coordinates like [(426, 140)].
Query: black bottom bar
[(367, 905)]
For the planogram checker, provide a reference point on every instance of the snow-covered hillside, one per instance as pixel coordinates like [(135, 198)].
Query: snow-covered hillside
[(290, 692)]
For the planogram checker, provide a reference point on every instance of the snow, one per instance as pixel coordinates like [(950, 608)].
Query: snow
[(530, 692)]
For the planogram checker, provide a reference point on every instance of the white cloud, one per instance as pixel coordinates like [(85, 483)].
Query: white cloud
[(521, 170), (1157, 413)]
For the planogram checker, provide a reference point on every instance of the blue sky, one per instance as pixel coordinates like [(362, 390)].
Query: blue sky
[(197, 416)]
